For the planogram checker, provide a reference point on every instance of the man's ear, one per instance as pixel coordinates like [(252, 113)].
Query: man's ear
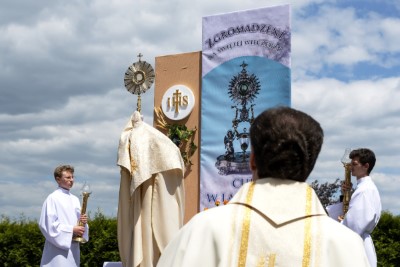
[(366, 165), (252, 161)]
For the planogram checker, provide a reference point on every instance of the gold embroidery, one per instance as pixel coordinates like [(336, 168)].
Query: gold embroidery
[(133, 163), (271, 260), (261, 261), (244, 242), (307, 230)]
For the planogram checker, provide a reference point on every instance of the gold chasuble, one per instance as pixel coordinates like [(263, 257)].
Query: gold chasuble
[(269, 222), (151, 196)]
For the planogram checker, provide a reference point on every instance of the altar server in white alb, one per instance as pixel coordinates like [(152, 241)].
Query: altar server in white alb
[(365, 204), (277, 219), (58, 222), (151, 196)]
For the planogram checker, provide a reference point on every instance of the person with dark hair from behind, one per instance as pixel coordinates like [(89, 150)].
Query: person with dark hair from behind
[(365, 203), (276, 219)]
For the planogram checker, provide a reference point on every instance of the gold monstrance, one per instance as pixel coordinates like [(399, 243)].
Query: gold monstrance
[(347, 180), (85, 195), (138, 79)]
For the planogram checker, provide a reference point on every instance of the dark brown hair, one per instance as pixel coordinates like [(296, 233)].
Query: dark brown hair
[(364, 156), (286, 143)]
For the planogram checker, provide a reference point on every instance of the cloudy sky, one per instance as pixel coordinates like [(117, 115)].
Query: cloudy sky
[(63, 98)]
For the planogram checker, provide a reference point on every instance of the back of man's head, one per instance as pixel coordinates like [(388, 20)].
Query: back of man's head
[(286, 143)]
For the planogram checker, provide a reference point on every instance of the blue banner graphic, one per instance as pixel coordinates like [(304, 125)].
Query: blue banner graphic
[(245, 70)]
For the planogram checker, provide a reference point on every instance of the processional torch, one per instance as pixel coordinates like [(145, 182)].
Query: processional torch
[(347, 181), (85, 195)]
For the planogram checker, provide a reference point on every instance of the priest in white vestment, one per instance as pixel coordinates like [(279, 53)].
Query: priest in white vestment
[(151, 196), (58, 223), (277, 219)]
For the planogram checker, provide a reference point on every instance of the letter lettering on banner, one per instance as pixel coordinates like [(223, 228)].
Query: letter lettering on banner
[(245, 70)]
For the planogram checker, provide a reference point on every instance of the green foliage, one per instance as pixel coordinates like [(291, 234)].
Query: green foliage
[(386, 237), (103, 242), (181, 132), (180, 135), (183, 138), (21, 242)]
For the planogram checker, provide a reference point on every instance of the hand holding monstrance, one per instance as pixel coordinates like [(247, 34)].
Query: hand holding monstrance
[(80, 228)]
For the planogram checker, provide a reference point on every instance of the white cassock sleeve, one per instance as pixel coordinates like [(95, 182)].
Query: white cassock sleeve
[(361, 217), (57, 233)]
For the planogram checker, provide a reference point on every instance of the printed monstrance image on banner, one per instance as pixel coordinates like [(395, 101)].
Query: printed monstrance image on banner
[(245, 70)]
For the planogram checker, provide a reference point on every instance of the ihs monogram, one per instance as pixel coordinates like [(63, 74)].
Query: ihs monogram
[(177, 100)]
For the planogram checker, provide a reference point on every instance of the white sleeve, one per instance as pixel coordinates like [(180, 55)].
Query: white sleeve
[(57, 233), (361, 216)]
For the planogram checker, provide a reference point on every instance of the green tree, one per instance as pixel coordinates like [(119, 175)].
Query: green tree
[(103, 242), (386, 237), (327, 192), (21, 243)]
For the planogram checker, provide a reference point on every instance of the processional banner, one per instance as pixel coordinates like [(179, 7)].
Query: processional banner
[(245, 70)]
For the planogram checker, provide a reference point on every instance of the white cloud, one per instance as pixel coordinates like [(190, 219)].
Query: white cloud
[(36, 40), (327, 39), (356, 114), (348, 55), (63, 99)]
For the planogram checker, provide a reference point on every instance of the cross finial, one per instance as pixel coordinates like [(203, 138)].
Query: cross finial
[(140, 56), (243, 65)]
